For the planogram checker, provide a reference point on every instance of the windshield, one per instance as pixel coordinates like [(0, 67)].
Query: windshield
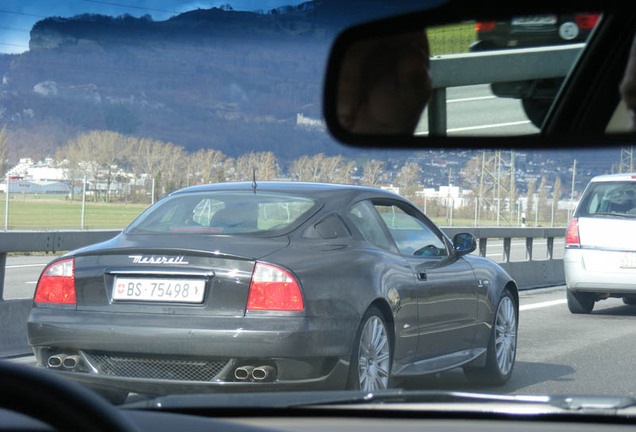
[(307, 265)]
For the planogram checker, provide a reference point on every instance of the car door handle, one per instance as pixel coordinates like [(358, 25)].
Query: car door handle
[(421, 275)]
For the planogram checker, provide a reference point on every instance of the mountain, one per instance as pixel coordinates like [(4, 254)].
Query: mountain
[(207, 78)]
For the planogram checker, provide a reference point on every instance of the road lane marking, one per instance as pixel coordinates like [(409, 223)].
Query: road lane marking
[(25, 265), (471, 99), (542, 304), (470, 128), (495, 125)]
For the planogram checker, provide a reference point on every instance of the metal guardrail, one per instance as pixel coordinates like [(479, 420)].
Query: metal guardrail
[(13, 313), (455, 70), (530, 273)]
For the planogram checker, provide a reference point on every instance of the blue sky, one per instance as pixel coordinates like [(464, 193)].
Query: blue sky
[(18, 16)]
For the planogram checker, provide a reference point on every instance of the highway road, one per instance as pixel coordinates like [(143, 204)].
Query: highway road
[(474, 110)]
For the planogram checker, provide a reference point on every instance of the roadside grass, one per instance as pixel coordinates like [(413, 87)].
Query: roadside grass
[(48, 212), (38, 213), (451, 39)]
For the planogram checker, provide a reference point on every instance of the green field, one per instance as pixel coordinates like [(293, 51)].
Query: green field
[(451, 39), (50, 212)]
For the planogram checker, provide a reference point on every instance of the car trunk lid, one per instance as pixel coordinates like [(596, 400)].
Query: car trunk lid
[(185, 274)]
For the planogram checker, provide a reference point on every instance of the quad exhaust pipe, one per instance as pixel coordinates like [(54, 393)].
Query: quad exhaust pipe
[(251, 373), (71, 362), (65, 361), (243, 373), (56, 361), (263, 373)]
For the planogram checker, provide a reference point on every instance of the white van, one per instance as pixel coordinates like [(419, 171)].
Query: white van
[(600, 245)]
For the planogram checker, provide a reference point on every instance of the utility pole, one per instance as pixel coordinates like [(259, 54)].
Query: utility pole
[(572, 189)]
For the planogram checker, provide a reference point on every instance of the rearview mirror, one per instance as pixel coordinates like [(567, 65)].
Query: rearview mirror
[(449, 77)]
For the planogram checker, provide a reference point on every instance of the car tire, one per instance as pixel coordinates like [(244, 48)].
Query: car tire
[(372, 353), (502, 346), (580, 302), (536, 109)]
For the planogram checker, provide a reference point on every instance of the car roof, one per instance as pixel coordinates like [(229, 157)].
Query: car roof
[(614, 177), (308, 188)]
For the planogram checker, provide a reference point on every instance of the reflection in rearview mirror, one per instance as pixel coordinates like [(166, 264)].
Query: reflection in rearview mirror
[(471, 78), (384, 84)]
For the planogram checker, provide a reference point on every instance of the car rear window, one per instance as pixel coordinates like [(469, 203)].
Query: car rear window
[(224, 213), (607, 199)]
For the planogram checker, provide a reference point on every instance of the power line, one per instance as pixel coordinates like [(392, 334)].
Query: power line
[(22, 13), (15, 29), (131, 6), (14, 45)]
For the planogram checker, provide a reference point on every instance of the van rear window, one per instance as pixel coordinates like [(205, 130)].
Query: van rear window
[(604, 199)]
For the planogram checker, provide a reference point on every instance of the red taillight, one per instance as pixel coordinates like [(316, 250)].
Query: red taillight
[(57, 283), (572, 235), (484, 25), (586, 21), (273, 289)]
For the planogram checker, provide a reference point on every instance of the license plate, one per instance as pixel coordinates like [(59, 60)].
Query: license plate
[(535, 20), (628, 260), (159, 290)]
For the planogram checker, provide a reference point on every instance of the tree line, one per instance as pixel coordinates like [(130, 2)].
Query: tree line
[(103, 156)]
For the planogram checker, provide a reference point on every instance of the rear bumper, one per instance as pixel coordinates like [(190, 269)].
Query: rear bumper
[(333, 379), (305, 352), (590, 270)]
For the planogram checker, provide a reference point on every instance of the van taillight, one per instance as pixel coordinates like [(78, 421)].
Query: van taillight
[(57, 283), (485, 25), (586, 21), (273, 289), (572, 235)]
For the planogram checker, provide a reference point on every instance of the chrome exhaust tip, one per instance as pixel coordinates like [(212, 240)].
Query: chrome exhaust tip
[(263, 373), (56, 361), (243, 373), (71, 362)]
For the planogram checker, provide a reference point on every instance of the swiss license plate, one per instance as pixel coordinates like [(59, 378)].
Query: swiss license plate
[(159, 289), (628, 260), (535, 20)]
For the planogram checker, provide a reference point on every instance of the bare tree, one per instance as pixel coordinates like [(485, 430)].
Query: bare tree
[(207, 166), (532, 187), (264, 163), (408, 179), (542, 199), (372, 172)]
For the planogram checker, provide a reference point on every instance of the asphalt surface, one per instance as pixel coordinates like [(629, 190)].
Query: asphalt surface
[(475, 111)]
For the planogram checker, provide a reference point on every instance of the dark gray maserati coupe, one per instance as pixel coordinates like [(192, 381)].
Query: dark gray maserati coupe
[(274, 285)]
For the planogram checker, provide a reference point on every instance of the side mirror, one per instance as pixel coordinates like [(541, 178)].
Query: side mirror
[(464, 243)]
